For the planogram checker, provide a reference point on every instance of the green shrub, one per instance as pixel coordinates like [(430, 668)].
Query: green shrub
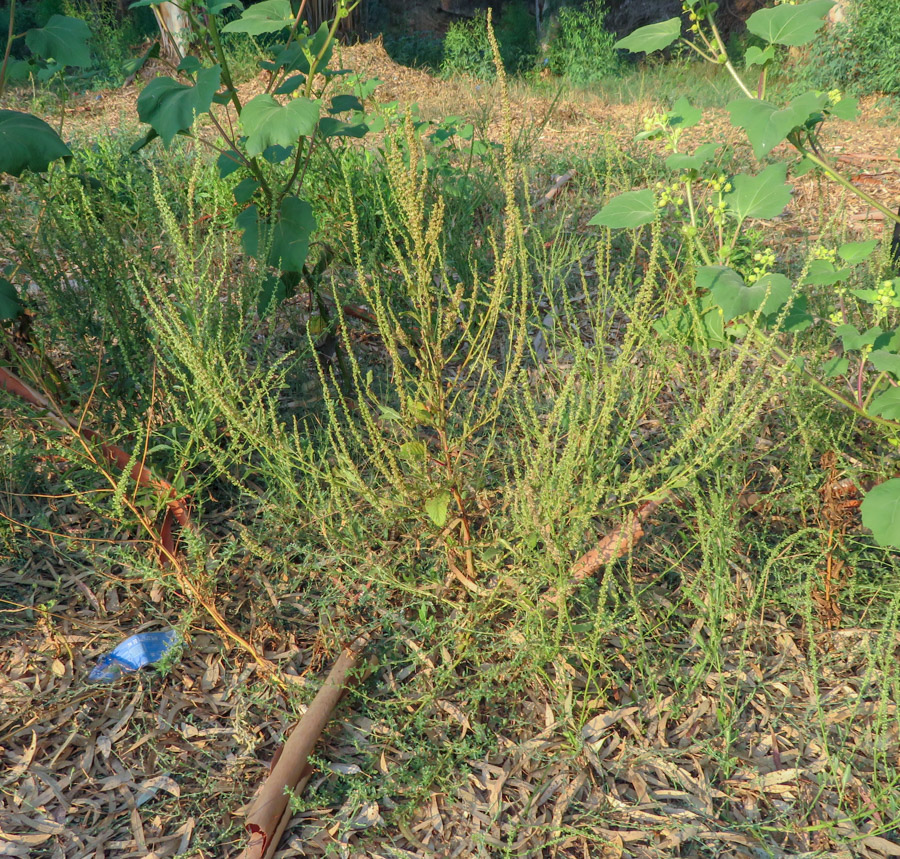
[(467, 50), (581, 49), (861, 54)]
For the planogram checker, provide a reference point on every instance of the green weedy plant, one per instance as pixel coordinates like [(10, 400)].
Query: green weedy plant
[(268, 150), (760, 304), (581, 48)]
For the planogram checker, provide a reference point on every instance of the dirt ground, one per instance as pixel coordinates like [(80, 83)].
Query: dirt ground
[(102, 771)]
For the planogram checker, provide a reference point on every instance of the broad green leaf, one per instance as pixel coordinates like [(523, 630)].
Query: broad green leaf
[(836, 366), (270, 16), (228, 162), (798, 318), (412, 451), (245, 189), (790, 25), (854, 252), (10, 306), (755, 56), (683, 114), (28, 143), (169, 106), (273, 292), (269, 123), (700, 323), (846, 108), (631, 209), (290, 234), (683, 161), (63, 39), (886, 362), (331, 127), (887, 404), (852, 339), (341, 103), (653, 37), (436, 508), (189, 65), (736, 299), (766, 125), (881, 508), (291, 84), (821, 272), (762, 196)]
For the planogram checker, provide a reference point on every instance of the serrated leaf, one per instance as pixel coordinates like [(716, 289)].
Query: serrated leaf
[(766, 125), (836, 366), (169, 106), (28, 143), (631, 209), (270, 16), (436, 508), (881, 507), (756, 56), (683, 114), (269, 123), (10, 306), (854, 252), (886, 362), (790, 25), (821, 272), (762, 196), (852, 339), (63, 39), (653, 37), (702, 154)]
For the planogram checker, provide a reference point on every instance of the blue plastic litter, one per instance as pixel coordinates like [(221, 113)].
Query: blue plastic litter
[(133, 654)]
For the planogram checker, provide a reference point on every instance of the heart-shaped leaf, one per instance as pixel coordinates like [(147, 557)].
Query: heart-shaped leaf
[(767, 125), (28, 143), (631, 209), (10, 306), (63, 39), (767, 295), (683, 161), (436, 508), (790, 25), (653, 37), (269, 123), (270, 16), (881, 507), (854, 252), (756, 56), (762, 196), (170, 107), (886, 362), (289, 237)]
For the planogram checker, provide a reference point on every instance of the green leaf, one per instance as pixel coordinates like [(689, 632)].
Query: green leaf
[(653, 37), (762, 196), (63, 39), (289, 237), (887, 404), (169, 106), (729, 291), (836, 366), (269, 123), (755, 56), (412, 451), (699, 323), (821, 272), (790, 25), (331, 127), (846, 108), (766, 125), (683, 161), (228, 162), (28, 143), (854, 252), (342, 103), (189, 65), (436, 508), (10, 306), (273, 291), (245, 189), (881, 511), (270, 16), (852, 339), (289, 85), (683, 114), (631, 209), (886, 362)]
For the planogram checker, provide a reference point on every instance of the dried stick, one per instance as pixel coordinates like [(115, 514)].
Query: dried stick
[(554, 190)]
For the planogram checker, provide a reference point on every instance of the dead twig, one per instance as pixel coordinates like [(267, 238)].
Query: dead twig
[(554, 190)]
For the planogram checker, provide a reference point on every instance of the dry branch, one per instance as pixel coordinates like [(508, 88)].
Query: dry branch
[(554, 190)]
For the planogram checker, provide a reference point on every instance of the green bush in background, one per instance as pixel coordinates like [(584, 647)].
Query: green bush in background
[(580, 48), (467, 50), (861, 54)]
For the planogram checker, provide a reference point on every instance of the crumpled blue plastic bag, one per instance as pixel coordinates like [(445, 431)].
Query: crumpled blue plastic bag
[(133, 654)]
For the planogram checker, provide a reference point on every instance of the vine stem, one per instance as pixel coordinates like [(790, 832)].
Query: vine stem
[(9, 41)]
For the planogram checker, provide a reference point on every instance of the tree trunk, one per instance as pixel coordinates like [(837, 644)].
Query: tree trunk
[(174, 31)]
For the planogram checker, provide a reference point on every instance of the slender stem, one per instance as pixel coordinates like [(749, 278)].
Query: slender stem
[(223, 62), (9, 41), (294, 27), (842, 180), (881, 377)]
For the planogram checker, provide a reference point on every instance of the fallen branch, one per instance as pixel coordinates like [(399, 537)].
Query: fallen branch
[(554, 190), (620, 541), (270, 811)]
